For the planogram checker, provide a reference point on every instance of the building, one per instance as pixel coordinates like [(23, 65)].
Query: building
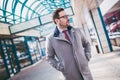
[(25, 24)]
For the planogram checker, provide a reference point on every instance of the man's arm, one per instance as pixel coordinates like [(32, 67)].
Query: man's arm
[(50, 56), (86, 45)]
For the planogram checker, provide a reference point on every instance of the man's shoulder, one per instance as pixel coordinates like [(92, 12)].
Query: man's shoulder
[(50, 35), (77, 29)]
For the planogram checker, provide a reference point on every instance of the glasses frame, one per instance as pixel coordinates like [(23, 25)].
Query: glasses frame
[(65, 17)]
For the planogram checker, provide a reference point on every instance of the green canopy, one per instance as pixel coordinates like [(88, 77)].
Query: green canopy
[(17, 11)]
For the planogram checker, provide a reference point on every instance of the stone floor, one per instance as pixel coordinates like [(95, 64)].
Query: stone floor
[(106, 66), (103, 67)]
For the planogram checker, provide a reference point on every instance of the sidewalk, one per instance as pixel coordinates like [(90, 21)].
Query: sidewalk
[(40, 71), (103, 67), (106, 66)]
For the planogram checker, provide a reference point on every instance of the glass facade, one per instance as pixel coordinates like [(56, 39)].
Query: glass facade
[(8, 56), (22, 52), (34, 48)]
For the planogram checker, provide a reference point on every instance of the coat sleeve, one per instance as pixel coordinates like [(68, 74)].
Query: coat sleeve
[(51, 56), (86, 46)]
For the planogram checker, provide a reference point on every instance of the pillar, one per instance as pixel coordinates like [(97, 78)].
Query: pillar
[(78, 17), (102, 35)]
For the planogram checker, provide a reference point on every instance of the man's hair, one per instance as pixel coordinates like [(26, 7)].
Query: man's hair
[(56, 14)]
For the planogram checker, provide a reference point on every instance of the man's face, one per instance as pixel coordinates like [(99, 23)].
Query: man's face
[(63, 20)]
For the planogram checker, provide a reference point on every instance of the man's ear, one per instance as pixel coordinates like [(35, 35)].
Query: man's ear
[(56, 20)]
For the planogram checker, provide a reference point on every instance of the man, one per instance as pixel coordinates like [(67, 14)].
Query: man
[(67, 49)]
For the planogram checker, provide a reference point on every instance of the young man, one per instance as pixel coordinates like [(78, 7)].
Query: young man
[(67, 49)]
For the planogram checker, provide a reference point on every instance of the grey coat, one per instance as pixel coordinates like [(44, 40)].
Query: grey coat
[(71, 58)]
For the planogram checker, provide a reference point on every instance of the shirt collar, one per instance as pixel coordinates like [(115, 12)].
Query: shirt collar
[(61, 30), (58, 31)]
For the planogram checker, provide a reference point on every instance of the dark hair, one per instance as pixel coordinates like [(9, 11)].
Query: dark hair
[(56, 14)]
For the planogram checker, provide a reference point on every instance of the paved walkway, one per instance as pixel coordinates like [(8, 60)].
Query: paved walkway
[(103, 67), (106, 66)]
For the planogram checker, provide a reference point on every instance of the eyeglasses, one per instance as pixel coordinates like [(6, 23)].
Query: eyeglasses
[(65, 16)]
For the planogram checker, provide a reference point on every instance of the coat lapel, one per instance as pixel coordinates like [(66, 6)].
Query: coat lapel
[(73, 36), (59, 36)]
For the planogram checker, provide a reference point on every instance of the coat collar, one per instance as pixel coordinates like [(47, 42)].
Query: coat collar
[(57, 32)]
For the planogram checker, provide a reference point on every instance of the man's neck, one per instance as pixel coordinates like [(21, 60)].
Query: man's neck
[(61, 28)]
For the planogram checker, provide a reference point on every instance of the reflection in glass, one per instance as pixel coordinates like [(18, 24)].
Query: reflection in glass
[(22, 52)]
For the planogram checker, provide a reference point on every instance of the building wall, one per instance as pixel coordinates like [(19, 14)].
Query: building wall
[(4, 29), (82, 15)]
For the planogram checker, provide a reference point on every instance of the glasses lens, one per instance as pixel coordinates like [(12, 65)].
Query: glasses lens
[(65, 16)]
